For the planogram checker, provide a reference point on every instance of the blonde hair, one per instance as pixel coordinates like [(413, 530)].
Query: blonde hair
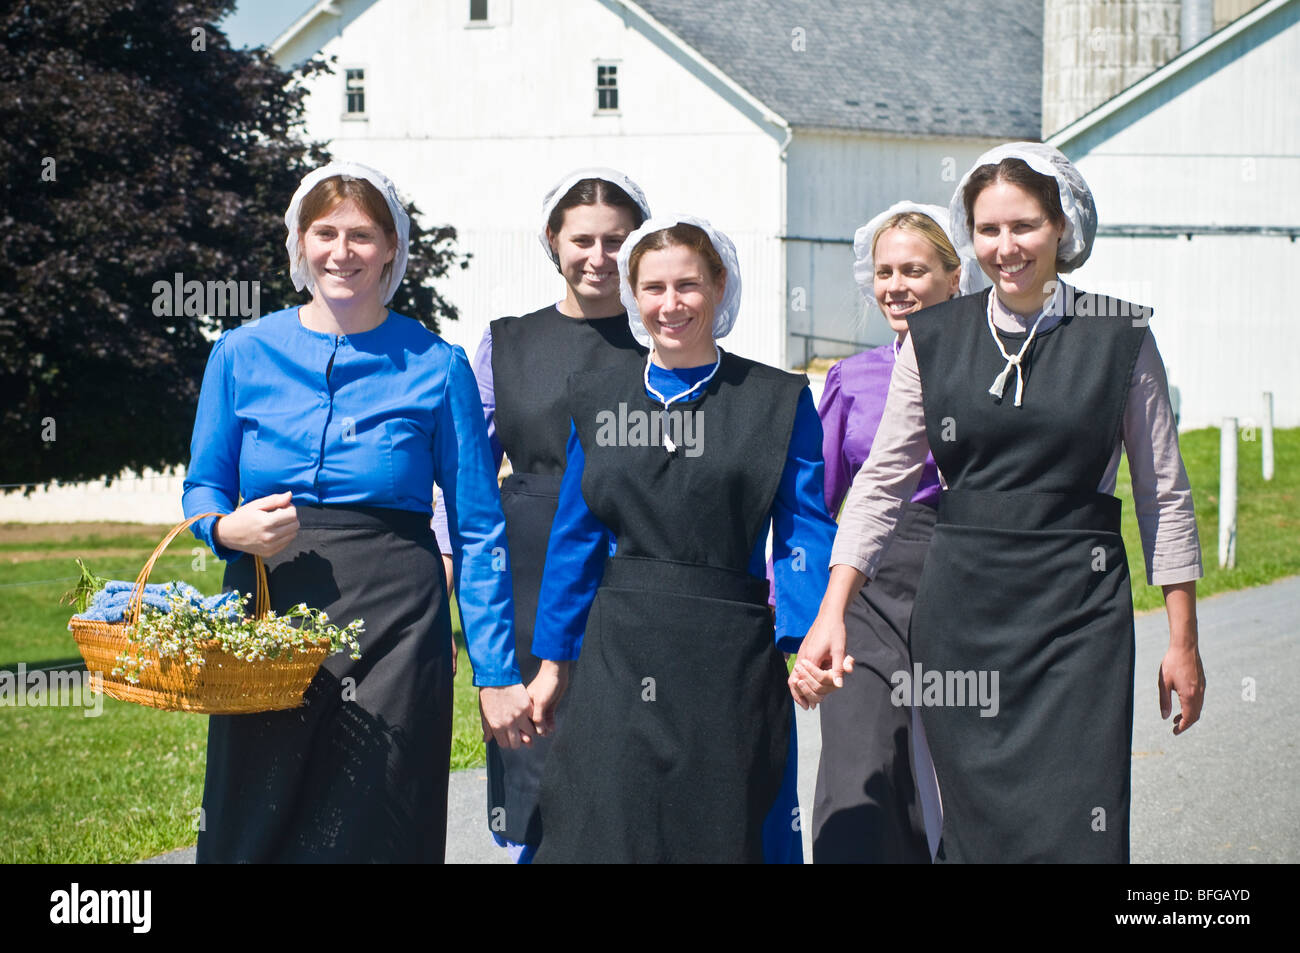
[(927, 228)]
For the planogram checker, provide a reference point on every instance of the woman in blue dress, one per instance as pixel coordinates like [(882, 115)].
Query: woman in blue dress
[(332, 422), (679, 743)]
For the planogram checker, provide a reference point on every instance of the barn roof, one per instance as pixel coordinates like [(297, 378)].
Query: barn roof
[(946, 67)]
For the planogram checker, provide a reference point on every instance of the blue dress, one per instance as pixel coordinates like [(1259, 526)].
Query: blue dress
[(358, 428), (802, 534)]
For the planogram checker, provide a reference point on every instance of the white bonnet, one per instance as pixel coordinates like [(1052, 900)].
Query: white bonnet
[(1076, 200), (561, 189), (355, 170), (724, 316), (864, 266)]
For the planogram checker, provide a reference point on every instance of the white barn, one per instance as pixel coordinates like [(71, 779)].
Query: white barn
[(786, 125), (1196, 172)]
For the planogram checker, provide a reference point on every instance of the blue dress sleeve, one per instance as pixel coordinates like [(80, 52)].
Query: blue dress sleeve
[(802, 530), (483, 375), (462, 464), (212, 481), (575, 564)]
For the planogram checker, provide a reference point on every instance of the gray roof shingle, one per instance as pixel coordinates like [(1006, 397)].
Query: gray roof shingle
[(941, 67)]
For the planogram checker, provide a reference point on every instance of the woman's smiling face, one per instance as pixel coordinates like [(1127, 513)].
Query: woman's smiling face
[(677, 298), (1016, 243), (587, 245), (909, 276), (346, 252)]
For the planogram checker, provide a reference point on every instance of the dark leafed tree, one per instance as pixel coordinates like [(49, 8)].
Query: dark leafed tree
[(136, 145)]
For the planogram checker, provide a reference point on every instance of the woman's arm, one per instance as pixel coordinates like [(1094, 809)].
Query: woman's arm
[(462, 465), (1162, 502), (575, 563), (482, 367), (263, 526), (884, 485)]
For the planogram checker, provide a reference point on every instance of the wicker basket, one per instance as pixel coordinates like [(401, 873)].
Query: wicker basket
[(223, 685)]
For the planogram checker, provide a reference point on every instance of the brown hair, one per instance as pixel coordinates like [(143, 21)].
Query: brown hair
[(685, 235), (923, 225), (593, 192), (329, 194), (1043, 188)]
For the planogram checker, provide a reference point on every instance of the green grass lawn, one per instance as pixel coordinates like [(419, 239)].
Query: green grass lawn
[(120, 786), (124, 785)]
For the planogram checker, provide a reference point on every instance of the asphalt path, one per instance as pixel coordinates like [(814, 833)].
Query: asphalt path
[(1224, 792)]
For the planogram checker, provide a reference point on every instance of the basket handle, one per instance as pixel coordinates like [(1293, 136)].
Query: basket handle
[(261, 598)]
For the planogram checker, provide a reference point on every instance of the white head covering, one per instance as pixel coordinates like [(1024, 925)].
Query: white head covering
[(864, 265), (298, 270), (561, 189), (724, 316), (1076, 200)]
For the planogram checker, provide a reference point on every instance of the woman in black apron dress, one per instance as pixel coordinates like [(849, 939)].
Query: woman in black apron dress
[(677, 744), (333, 421), (1022, 633), (522, 365), (876, 800)]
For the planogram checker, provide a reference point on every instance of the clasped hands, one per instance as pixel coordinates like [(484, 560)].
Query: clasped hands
[(514, 715)]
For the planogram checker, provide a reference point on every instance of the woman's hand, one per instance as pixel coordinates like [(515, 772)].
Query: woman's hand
[(1181, 670), (546, 690), (504, 711), (821, 664), (262, 527)]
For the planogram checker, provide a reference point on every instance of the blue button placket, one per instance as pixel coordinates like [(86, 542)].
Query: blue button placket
[(329, 412)]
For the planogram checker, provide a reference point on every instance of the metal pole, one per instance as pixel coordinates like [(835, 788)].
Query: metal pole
[(1228, 494), (1268, 435)]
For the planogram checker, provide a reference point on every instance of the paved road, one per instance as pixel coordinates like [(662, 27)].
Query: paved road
[(1225, 792)]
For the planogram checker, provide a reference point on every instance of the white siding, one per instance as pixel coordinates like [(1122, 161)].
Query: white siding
[(837, 183), (1215, 144), (476, 124), (1224, 340)]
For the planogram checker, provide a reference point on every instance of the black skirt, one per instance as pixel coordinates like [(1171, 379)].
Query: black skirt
[(359, 772), (1027, 595), (867, 808), (675, 744), (528, 501)]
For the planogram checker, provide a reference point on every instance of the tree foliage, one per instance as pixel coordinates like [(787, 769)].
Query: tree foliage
[(136, 145)]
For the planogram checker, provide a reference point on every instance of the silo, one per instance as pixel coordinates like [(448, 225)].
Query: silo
[(1095, 49)]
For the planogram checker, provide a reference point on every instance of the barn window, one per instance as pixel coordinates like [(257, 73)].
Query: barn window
[(478, 11), (355, 88), (607, 87)]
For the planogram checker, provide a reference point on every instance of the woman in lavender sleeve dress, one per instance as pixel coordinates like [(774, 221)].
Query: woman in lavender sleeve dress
[(876, 797)]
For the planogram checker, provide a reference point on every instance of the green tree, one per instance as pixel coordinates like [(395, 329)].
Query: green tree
[(136, 144)]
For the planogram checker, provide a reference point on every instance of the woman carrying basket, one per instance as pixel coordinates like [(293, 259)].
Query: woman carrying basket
[(334, 421)]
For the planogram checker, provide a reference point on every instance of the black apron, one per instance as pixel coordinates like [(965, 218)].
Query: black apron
[(359, 773), (866, 809), (1027, 580), (532, 358), (675, 744)]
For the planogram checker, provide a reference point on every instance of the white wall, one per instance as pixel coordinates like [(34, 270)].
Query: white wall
[(1217, 144), (476, 124), (838, 182)]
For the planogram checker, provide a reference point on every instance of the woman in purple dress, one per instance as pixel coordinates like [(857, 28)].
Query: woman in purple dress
[(876, 795)]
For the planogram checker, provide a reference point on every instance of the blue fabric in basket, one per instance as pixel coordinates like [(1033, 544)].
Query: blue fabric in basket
[(110, 603)]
